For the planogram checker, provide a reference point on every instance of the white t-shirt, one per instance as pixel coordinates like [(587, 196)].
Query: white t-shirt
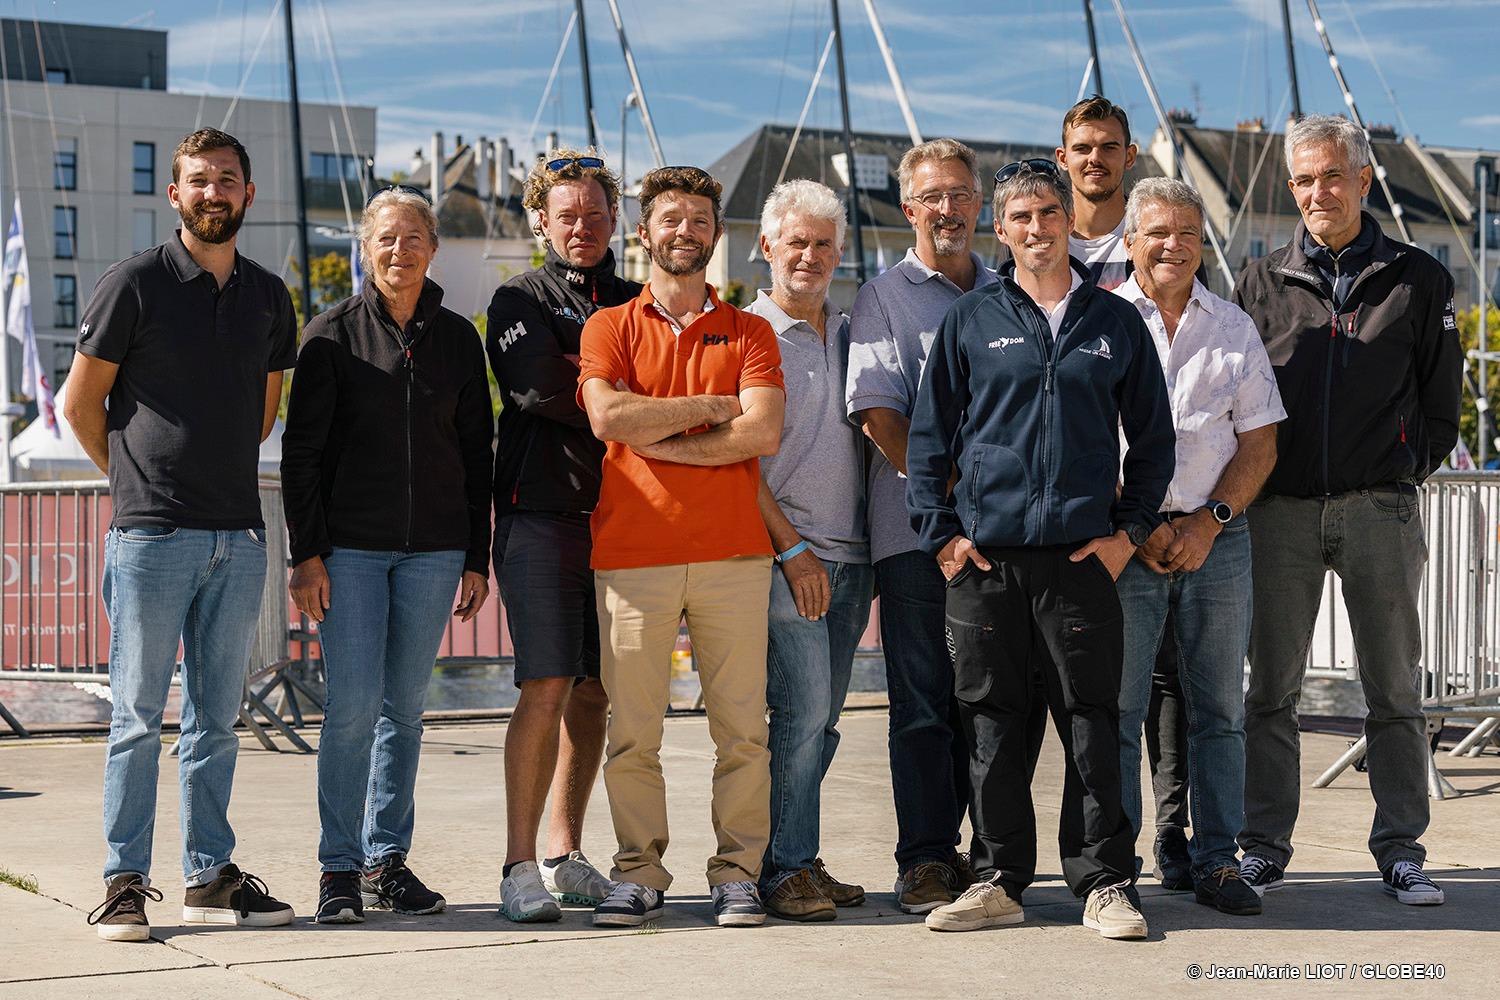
[(1107, 260)]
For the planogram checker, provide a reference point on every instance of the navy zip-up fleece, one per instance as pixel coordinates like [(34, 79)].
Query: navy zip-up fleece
[(1033, 425)]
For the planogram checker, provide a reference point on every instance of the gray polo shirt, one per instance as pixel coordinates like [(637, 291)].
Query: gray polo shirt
[(818, 475), (896, 317)]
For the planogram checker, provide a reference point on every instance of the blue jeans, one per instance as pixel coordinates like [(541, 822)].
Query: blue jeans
[(807, 676), (163, 586), (386, 615), (929, 757), (1373, 540), (1211, 625)]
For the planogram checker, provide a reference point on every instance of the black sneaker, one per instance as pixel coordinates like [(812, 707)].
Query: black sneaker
[(122, 915), (338, 899), (1409, 884), (391, 885), (629, 905), (1174, 865), (737, 904), (235, 897), (1261, 874), (1227, 892)]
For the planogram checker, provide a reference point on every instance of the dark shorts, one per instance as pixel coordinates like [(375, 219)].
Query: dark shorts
[(542, 566)]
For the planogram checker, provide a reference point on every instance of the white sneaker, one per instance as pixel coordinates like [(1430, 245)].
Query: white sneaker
[(1110, 912), (983, 904), (524, 899), (574, 880), (1409, 884)]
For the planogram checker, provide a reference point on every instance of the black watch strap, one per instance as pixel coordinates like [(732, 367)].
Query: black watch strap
[(1222, 512), (1138, 533)]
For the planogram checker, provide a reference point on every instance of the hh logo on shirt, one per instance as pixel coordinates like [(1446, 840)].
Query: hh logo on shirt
[(711, 339), (510, 336), (1100, 351)]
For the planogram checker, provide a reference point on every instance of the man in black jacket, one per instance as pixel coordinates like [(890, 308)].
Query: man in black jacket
[(1361, 335), (546, 485), (1012, 463)]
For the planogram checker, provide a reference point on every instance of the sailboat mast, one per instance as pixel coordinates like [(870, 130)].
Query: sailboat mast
[(635, 82), (588, 87), (854, 219), (1291, 59), (1088, 16), (298, 172), (890, 68)]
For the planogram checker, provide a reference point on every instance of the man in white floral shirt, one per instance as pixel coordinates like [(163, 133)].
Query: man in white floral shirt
[(1225, 407)]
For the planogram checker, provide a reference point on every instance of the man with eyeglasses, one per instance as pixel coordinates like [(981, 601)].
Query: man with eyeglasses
[(547, 475), (1013, 462), (687, 393), (896, 316)]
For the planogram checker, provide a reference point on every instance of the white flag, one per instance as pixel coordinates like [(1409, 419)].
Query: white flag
[(17, 276)]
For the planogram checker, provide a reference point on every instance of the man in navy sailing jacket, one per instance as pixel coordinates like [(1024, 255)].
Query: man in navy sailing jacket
[(1019, 410)]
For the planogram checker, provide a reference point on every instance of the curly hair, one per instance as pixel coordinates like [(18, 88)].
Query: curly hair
[(542, 179)]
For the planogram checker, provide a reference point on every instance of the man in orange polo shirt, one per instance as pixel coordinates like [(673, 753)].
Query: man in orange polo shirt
[(687, 393)]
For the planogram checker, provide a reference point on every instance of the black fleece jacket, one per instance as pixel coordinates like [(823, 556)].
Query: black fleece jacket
[(388, 441)]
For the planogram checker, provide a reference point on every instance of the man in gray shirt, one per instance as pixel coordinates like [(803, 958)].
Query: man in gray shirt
[(812, 499), (896, 316)]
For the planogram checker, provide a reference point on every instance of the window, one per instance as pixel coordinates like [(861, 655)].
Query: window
[(64, 232), (142, 230), (55, 75), (65, 165), (1440, 251), (333, 167), (1257, 248), (64, 300), (144, 168)]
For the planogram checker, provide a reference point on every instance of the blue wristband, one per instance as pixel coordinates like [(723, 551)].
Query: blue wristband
[(795, 550)]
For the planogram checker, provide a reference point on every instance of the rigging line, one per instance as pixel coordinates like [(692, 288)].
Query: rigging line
[(338, 86), (895, 74), (250, 67), (213, 47), (791, 148), (70, 211), (1463, 237), (1370, 55), (547, 90), (1260, 162)]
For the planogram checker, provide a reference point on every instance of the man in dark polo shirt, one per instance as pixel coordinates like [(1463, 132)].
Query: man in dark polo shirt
[(174, 385)]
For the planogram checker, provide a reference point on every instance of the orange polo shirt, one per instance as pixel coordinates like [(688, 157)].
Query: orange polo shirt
[(655, 513)]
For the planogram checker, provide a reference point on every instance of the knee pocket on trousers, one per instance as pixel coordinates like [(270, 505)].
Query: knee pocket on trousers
[(971, 648), (1094, 653)]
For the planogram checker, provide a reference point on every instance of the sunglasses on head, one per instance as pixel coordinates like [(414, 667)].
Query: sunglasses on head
[(1035, 165), (407, 188), (564, 162)]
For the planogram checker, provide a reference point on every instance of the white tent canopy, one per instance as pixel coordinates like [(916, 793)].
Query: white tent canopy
[(39, 457)]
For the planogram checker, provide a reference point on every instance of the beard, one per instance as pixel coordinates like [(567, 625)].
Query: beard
[(661, 256), (213, 229), (944, 244)]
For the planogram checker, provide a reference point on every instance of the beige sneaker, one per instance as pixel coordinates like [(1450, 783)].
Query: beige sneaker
[(983, 904), (1109, 912)]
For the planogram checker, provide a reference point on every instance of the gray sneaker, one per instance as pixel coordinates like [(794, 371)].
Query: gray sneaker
[(1110, 912), (524, 899), (574, 880), (737, 904)]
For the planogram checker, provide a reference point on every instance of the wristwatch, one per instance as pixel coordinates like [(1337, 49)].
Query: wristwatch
[(1222, 512), (1137, 533)]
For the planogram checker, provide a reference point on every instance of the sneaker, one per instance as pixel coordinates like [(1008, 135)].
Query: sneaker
[(122, 915), (737, 904), (339, 900), (1109, 912), (1224, 890), (629, 905), (842, 893), (1174, 866), (983, 904), (925, 887), (524, 899), (1409, 884), (390, 885), (574, 880), (798, 897), (235, 897), (1261, 874)]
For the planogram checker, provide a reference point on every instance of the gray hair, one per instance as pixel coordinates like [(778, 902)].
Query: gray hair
[(807, 198), (1033, 182), (1321, 130), (937, 149), (395, 197), (1161, 191)]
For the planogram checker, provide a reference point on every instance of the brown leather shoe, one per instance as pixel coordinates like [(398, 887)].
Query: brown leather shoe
[(925, 886), (799, 898), (842, 893)]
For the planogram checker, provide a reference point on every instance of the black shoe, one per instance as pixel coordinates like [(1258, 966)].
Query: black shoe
[(1226, 891), (391, 885), (1261, 874), (1174, 866), (235, 897), (338, 899)]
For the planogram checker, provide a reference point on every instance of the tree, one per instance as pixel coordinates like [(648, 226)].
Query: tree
[(332, 283), (1468, 338)]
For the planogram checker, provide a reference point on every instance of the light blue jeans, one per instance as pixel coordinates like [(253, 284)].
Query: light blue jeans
[(807, 677), (386, 615), (1211, 610), (163, 586)]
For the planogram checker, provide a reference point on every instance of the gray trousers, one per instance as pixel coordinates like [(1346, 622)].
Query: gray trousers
[(1373, 540)]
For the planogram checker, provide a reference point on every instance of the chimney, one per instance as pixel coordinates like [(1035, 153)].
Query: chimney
[(439, 162), (552, 143), (482, 170), (416, 159), (502, 169)]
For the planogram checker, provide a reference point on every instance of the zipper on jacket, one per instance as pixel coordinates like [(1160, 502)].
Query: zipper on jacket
[(1333, 340), (411, 500)]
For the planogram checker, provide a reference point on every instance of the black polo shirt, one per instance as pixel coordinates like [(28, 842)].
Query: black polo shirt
[(187, 405)]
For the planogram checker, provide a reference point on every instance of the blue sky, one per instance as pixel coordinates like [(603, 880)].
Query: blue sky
[(712, 71)]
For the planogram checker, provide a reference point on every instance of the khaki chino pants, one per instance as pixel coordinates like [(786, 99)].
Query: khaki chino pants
[(639, 609)]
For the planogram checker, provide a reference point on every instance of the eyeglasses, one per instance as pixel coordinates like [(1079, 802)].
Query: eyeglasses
[(958, 198), (564, 162), (406, 188), (1035, 165)]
